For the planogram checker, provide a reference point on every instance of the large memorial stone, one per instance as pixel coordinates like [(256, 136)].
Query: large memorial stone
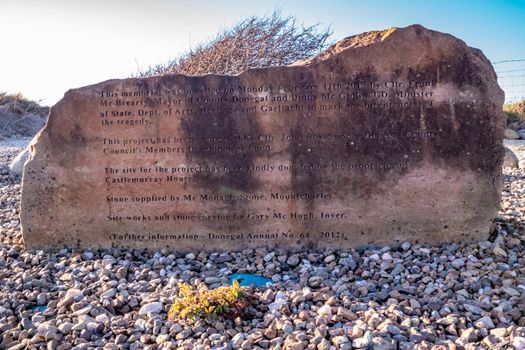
[(386, 137)]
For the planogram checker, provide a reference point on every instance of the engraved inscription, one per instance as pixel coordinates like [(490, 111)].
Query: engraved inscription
[(375, 141)]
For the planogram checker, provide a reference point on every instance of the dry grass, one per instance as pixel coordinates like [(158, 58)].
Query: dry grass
[(19, 104), (20, 116)]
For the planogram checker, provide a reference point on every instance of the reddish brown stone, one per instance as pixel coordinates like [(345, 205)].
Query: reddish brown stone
[(386, 137)]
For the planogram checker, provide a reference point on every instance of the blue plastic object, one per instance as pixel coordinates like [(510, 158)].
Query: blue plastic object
[(40, 309), (246, 279)]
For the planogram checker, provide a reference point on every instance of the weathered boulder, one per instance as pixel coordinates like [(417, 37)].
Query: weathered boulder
[(510, 160), (511, 134), (388, 136), (16, 167)]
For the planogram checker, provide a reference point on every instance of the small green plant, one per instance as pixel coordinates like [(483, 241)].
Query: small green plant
[(228, 302)]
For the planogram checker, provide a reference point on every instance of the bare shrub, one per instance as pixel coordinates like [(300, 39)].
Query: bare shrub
[(254, 42)]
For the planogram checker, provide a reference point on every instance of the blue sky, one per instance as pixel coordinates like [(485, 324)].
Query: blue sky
[(51, 46)]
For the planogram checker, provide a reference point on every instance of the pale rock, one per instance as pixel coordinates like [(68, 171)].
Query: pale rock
[(473, 309), (470, 335), (329, 259), (74, 293), (288, 328), (499, 332), (211, 280), (499, 251), (65, 327), (276, 305), (386, 257), (458, 263), (518, 343), (361, 343), (268, 257), (375, 257), (237, 340), (510, 291), (280, 295), (340, 340), (448, 320), (41, 299), (484, 322), (102, 318), (323, 345), (162, 338), (315, 281), (510, 160), (109, 293), (151, 308), (271, 332), (380, 343), (16, 167), (84, 311), (185, 333), (325, 310), (293, 260), (398, 268)]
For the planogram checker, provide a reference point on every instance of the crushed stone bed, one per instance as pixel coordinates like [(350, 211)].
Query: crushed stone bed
[(455, 296)]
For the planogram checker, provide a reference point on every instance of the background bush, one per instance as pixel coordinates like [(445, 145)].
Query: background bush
[(515, 113), (254, 42), (20, 117)]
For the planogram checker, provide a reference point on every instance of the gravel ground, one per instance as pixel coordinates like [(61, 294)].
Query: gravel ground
[(456, 296)]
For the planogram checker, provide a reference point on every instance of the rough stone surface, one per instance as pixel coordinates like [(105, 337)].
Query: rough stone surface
[(386, 137), (510, 160), (511, 134)]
